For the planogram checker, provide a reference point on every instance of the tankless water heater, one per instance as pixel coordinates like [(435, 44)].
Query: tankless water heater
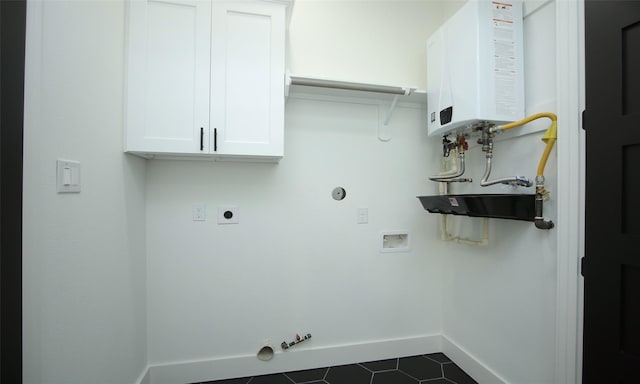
[(475, 68)]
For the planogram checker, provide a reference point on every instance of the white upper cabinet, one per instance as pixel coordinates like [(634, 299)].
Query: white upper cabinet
[(205, 78), (247, 78), (167, 105)]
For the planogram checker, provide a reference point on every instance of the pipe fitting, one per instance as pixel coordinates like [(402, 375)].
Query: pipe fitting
[(538, 219), (460, 180), (496, 129), (447, 146), (541, 223), (514, 180), (487, 148), (487, 141), (454, 177)]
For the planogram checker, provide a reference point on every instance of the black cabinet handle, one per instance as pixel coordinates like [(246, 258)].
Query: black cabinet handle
[(201, 138), (215, 139)]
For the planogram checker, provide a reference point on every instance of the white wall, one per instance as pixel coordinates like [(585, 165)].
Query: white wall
[(376, 41), (84, 254), (297, 262), (499, 301)]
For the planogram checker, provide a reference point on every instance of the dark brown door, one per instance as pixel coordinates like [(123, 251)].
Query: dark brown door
[(12, 49), (612, 253)]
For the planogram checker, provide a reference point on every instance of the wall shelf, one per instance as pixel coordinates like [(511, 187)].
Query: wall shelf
[(307, 86), (386, 97)]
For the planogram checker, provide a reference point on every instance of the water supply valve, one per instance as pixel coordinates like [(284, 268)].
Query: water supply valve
[(299, 339), (447, 145), (462, 143)]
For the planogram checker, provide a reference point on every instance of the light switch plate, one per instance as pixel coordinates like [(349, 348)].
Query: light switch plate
[(68, 176)]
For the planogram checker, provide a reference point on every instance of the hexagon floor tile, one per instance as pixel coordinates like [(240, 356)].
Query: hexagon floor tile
[(435, 368)]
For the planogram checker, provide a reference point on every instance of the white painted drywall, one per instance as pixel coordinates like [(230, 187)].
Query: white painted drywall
[(377, 41), (84, 254), (499, 301), (297, 262)]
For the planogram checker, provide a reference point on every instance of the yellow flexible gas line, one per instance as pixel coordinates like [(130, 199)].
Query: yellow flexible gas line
[(549, 137), (528, 119)]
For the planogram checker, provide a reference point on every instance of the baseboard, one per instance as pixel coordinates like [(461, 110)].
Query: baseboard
[(248, 365), (298, 358), (469, 363)]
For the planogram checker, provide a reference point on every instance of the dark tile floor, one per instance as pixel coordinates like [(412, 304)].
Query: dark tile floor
[(435, 368)]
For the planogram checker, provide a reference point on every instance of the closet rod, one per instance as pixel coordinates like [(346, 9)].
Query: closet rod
[(310, 82)]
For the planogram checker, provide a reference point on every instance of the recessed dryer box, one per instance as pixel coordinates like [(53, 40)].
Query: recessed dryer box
[(475, 67)]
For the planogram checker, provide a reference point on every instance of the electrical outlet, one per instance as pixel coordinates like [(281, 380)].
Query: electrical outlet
[(228, 214)]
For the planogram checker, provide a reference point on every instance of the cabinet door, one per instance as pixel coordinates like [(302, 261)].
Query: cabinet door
[(247, 78), (168, 76)]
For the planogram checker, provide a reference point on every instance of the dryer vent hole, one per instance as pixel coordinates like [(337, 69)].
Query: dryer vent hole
[(265, 353)]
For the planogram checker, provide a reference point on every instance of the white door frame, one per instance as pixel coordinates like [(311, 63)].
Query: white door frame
[(570, 98)]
